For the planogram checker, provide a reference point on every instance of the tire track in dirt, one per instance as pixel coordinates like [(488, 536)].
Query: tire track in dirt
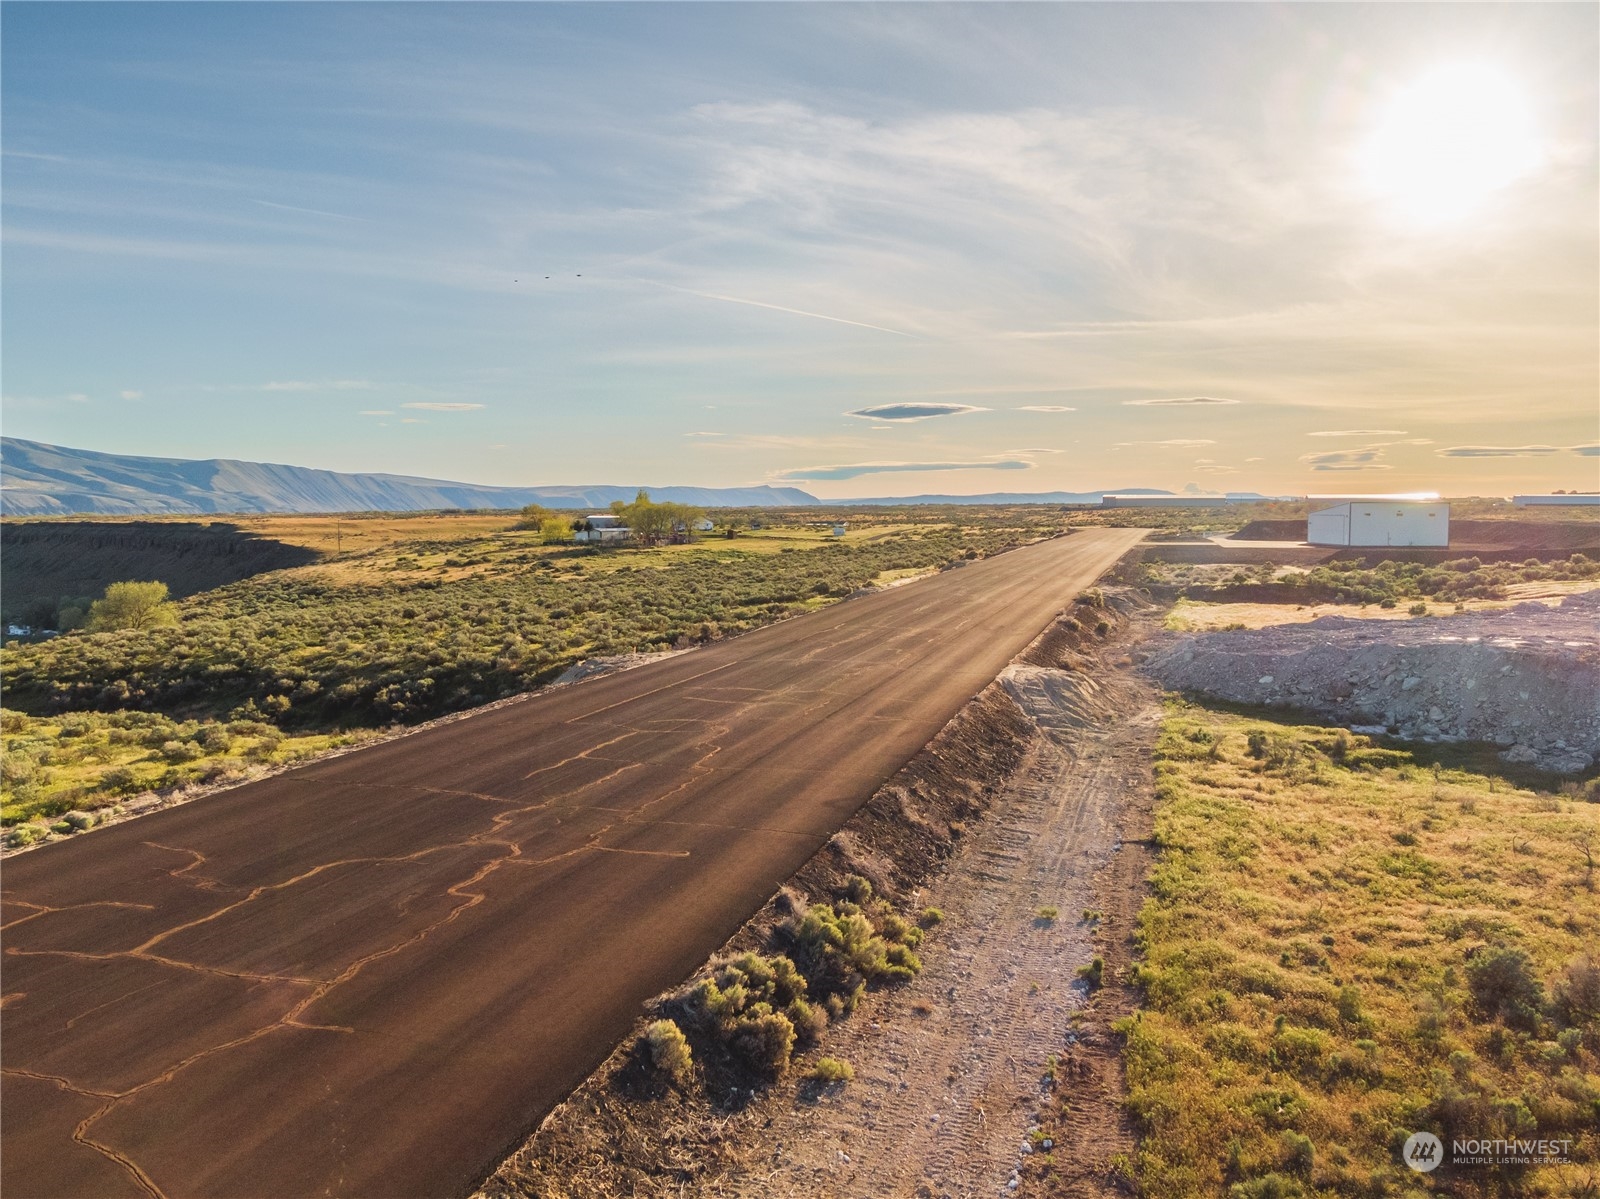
[(950, 1070)]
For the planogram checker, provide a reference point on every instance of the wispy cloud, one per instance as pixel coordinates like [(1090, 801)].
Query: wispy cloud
[(338, 216), (1358, 433), (434, 406), (913, 412), (1365, 458), (1498, 451), (1180, 402), (318, 385), (376, 412), (819, 316), (855, 470), (131, 395), (1175, 442), (1045, 408), (1588, 451)]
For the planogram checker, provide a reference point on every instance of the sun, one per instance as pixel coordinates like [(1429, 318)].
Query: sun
[(1449, 141)]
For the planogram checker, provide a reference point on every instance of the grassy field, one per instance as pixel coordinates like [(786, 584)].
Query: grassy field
[(1386, 584), (413, 617), (1347, 943)]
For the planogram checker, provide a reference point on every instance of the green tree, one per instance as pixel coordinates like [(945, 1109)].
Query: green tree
[(533, 517), (132, 606), (553, 530), (650, 522)]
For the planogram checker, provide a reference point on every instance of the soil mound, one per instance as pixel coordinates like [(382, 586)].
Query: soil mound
[(1527, 678)]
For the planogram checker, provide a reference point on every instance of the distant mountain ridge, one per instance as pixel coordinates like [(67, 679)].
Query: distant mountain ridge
[(1040, 497), (46, 480)]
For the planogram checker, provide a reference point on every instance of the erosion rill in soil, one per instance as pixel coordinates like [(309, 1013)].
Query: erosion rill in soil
[(1024, 823)]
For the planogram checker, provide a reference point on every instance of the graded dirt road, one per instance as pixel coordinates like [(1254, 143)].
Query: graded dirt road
[(371, 976)]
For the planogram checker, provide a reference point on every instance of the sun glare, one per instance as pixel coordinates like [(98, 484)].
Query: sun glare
[(1448, 141)]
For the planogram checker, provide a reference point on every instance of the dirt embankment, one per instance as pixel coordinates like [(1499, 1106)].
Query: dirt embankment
[(1021, 803), (1527, 678)]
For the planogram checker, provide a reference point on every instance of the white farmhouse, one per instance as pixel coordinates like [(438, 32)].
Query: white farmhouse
[(1381, 522), (601, 528)]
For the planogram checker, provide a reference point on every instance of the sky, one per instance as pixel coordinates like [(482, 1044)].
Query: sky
[(864, 250)]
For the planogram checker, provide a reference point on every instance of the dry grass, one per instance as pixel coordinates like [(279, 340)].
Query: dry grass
[(1317, 908)]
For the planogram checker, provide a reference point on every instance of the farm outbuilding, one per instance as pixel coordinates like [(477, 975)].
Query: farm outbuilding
[(601, 528), (1380, 522), (1581, 499)]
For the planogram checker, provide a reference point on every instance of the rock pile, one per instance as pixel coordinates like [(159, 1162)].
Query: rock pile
[(1527, 677)]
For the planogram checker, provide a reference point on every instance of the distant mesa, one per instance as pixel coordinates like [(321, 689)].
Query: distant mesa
[(49, 480), (1040, 497)]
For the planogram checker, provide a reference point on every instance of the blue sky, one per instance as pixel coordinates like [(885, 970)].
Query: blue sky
[(866, 249)]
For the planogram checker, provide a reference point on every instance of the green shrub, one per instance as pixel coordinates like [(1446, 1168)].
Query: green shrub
[(80, 821), (931, 917), (181, 751), (1350, 1004), (1504, 987), (765, 1040), (1268, 1186), (832, 1069), (1048, 914), (808, 1019), (857, 890), (135, 606), (24, 834), (1578, 993), (669, 1051), (1094, 973), (839, 950), (1298, 1153)]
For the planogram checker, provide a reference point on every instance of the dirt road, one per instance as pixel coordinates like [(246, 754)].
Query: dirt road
[(949, 1069), (371, 976)]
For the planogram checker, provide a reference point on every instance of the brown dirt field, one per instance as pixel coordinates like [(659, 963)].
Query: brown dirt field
[(950, 1069), (529, 877)]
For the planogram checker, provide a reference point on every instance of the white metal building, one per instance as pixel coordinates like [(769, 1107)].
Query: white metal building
[(1587, 499), (1380, 522), (602, 528)]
